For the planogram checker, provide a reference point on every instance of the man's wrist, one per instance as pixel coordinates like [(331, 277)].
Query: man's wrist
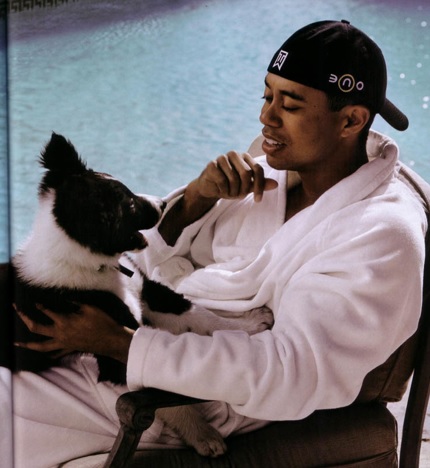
[(195, 204), (122, 344), (188, 209)]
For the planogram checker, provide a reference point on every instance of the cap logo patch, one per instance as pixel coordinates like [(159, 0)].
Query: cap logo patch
[(280, 59), (346, 83)]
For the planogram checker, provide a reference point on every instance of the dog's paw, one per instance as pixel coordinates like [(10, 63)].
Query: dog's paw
[(209, 443), (189, 424), (257, 320)]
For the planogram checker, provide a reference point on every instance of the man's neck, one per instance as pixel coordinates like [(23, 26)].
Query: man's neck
[(314, 184)]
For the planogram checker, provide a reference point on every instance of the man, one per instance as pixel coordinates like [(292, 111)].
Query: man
[(321, 230)]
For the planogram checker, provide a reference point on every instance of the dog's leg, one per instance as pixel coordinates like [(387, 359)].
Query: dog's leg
[(192, 428), (204, 322), (168, 310), (252, 321)]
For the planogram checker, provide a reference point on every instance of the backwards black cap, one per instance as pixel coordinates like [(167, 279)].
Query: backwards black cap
[(337, 58)]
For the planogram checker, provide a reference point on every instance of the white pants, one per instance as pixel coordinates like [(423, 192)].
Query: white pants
[(65, 413)]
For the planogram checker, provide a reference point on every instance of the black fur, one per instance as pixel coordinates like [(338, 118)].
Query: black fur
[(162, 299), (159, 297), (65, 301)]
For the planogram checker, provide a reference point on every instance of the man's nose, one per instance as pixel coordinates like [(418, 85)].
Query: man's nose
[(270, 116)]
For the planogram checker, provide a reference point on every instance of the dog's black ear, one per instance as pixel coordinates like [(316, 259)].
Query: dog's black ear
[(60, 156)]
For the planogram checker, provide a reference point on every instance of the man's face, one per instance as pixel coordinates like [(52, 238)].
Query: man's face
[(301, 132)]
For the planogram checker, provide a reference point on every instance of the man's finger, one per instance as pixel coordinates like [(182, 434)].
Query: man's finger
[(42, 346), (270, 184), (260, 183), (231, 187), (48, 312), (258, 179), (33, 326)]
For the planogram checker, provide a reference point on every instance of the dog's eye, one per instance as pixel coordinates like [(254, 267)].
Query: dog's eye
[(132, 206)]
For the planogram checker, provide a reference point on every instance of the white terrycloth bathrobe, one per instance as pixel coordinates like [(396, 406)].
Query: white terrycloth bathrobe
[(343, 278)]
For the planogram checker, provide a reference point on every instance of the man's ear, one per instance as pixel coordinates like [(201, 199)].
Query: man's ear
[(355, 118)]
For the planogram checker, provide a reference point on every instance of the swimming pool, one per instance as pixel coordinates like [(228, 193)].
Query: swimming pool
[(149, 91)]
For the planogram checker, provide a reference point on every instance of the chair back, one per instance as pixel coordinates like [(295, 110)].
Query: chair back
[(389, 381), (416, 409)]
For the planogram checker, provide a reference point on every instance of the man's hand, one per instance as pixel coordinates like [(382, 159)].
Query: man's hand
[(89, 330), (232, 175)]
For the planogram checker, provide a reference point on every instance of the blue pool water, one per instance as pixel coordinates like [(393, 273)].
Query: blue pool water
[(150, 91)]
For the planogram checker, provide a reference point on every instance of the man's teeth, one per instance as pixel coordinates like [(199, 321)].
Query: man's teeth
[(272, 142)]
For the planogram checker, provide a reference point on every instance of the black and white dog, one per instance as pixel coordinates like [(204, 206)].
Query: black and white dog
[(85, 222)]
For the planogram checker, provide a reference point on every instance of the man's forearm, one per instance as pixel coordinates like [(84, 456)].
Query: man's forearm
[(189, 208)]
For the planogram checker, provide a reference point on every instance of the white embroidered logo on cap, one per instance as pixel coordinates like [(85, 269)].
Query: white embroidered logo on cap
[(280, 59), (346, 83)]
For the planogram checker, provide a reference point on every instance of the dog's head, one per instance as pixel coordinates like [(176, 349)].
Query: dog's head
[(93, 208)]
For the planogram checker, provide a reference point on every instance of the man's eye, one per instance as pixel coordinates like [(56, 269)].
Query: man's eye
[(267, 98), (290, 109)]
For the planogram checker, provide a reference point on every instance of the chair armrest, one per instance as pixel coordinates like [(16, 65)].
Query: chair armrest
[(137, 409), (136, 412)]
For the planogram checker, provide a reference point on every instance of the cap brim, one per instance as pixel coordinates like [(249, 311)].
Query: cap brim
[(394, 116)]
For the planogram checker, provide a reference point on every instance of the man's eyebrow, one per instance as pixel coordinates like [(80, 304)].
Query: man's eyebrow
[(291, 94)]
